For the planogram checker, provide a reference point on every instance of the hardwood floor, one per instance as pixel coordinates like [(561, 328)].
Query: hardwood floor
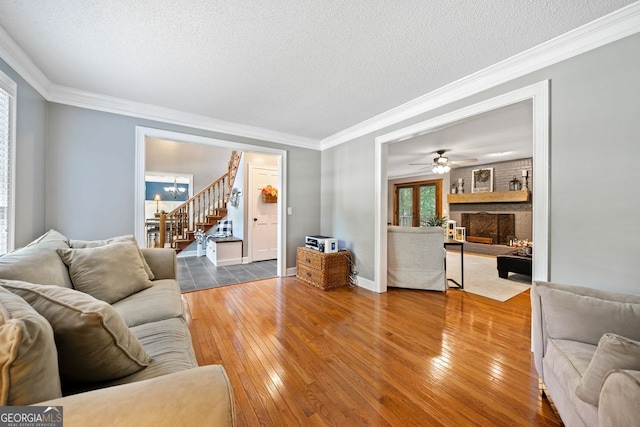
[(298, 356)]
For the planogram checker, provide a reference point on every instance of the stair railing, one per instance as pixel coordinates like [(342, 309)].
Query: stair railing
[(192, 214)]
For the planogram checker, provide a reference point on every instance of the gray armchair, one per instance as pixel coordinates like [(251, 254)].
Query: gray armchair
[(416, 258)]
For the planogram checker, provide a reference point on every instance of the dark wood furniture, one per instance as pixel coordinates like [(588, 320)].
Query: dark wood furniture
[(513, 264)]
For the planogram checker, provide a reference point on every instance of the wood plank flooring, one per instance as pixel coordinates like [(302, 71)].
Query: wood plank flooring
[(298, 356)]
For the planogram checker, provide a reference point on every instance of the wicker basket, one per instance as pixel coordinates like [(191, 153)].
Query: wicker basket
[(266, 198), (325, 271)]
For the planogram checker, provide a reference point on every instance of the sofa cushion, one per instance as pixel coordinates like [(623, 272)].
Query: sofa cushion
[(565, 362), (586, 318), (159, 302), (38, 262), (613, 352), (129, 238), (28, 357), (168, 342), (94, 343), (109, 272)]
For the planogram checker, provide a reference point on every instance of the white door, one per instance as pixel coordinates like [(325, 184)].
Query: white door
[(263, 217)]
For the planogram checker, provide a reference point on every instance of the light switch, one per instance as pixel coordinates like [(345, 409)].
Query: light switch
[(289, 210)]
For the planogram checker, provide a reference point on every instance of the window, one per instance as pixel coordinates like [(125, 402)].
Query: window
[(7, 162), (414, 202)]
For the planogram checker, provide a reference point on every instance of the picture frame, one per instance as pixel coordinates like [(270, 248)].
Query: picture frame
[(482, 180)]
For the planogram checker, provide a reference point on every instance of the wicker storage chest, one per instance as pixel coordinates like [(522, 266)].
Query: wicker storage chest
[(325, 271)]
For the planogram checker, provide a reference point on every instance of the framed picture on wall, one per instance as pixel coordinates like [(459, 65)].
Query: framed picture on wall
[(482, 180)]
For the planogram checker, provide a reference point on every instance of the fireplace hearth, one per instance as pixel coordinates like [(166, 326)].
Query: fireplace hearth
[(484, 227)]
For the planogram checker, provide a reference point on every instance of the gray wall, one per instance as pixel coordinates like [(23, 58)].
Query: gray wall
[(90, 175), (594, 116), (31, 121)]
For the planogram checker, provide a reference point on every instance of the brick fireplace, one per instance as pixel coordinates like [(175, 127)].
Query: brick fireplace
[(520, 212)]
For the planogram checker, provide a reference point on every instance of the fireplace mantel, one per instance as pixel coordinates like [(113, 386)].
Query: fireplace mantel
[(490, 197)]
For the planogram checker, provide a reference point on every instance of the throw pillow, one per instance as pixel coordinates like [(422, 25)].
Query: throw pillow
[(81, 244), (109, 273), (93, 342), (38, 262), (613, 352), (28, 357), (586, 318)]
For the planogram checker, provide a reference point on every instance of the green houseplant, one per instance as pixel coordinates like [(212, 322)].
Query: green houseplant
[(434, 221)]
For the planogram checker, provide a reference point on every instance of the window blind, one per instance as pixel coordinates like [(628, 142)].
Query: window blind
[(5, 170)]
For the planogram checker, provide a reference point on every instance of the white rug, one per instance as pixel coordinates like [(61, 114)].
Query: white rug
[(481, 277)]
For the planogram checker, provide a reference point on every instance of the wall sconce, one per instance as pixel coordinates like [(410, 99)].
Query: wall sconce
[(157, 200)]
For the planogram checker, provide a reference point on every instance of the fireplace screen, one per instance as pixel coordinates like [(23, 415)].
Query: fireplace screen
[(490, 228)]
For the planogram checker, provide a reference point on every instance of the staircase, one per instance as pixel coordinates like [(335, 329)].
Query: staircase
[(200, 212)]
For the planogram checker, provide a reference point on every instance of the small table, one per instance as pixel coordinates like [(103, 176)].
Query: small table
[(513, 263), (451, 242)]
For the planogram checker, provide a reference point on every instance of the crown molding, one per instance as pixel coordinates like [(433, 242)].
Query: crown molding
[(109, 104), (609, 28), (15, 57)]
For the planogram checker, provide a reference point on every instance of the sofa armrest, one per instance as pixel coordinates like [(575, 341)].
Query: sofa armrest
[(198, 396), (619, 399), (162, 261)]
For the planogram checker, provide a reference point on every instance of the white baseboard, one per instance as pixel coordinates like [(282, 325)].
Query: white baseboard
[(245, 260), (366, 284), (291, 271)]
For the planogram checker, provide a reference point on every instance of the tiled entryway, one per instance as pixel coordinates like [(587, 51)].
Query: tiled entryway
[(195, 273)]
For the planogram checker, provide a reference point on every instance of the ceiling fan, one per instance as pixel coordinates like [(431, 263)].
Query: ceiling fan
[(442, 164)]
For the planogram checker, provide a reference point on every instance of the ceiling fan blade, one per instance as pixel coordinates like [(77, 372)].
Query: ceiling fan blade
[(419, 164), (465, 161)]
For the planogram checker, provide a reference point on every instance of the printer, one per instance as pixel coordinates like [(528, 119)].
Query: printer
[(321, 243)]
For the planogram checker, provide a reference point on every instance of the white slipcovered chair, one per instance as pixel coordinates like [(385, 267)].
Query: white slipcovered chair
[(416, 258)]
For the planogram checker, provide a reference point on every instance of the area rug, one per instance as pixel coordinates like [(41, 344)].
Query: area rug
[(481, 277)]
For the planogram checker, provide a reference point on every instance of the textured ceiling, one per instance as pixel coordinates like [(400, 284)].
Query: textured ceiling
[(303, 67)]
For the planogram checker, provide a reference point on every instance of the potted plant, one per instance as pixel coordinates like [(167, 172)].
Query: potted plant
[(434, 221)]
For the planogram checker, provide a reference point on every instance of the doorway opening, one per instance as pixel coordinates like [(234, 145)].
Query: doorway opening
[(144, 133), (538, 94)]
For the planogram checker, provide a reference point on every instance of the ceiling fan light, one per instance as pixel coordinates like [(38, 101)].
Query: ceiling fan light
[(446, 168), (443, 160)]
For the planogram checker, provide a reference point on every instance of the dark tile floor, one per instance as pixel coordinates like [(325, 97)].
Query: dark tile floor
[(195, 273)]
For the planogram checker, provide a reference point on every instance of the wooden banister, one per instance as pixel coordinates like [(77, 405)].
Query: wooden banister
[(201, 211)]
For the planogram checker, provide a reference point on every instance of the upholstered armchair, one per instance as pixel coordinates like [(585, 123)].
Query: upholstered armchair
[(416, 258)]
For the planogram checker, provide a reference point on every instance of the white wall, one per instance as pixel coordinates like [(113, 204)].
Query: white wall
[(237, 214), (204, 162)]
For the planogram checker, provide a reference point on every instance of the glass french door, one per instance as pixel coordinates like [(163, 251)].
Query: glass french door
[(416, 201)]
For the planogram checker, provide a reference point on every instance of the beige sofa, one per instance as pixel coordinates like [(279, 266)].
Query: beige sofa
[(587, 352), (126, 361)]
